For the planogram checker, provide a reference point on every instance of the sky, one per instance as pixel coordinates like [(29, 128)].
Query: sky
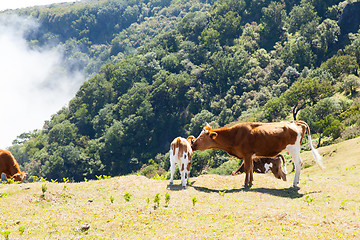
[(32, 85), (14, 4)]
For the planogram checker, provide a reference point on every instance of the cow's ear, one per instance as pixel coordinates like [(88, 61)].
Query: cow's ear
[(213, 135), (191, 139)]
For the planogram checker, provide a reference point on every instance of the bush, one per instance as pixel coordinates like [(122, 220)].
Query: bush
[(150, 171), (227, 167), (350, 133)]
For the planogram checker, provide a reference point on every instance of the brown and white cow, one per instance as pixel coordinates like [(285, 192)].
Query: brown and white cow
[(181, 153), (264, 165), (254, 139), (10, 167)]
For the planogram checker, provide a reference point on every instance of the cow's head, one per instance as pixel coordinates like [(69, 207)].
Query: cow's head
[(19, 177), (191, 139), (205, 140)]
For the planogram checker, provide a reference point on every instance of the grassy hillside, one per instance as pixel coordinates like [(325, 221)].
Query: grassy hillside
[(327, 206)]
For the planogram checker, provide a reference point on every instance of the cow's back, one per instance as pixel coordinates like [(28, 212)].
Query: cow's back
[(6, 161), (267, 139), (180, 147)]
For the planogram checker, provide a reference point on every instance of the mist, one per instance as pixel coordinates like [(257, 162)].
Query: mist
[(14, 4), (34, 84)]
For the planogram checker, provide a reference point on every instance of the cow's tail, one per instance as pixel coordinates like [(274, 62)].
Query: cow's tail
[(315, 153), (284, 164)]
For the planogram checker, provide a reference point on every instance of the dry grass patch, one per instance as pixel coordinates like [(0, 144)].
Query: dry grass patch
[(327, 206)]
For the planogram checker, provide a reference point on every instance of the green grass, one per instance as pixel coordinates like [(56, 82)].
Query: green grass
[(327, 206)]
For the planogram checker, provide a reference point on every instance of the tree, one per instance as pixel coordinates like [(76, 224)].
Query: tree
[(171, 63), (297, 51), (103, 120), (350, 84), (301, 15), (275, 109), (272, 21), (210, 38), (354, 48), (329, 126), (192, 25), (322, 117), (65, 161), (305, 92), (198, 121), (63, 133), (226, 20), (340, 65), (328, 32)]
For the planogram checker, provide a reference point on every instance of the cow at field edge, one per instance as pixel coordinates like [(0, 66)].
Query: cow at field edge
[(253, 139), (181, 153), (10, 167), (264, 165)]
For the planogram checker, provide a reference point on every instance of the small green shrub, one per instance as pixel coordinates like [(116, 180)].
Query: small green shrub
[(194, 200), (44, 188), (157, 200), (6, 234), (35, 178), (127, 196), (308, 199), (167, 198), (21, 230), (161, 177)]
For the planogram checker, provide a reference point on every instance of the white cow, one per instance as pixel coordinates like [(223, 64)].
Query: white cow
[(181, 153)]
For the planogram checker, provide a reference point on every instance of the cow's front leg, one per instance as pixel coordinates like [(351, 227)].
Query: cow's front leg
[(248, 167)]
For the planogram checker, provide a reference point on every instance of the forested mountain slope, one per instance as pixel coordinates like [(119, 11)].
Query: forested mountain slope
[(96, 32), (239, 61)]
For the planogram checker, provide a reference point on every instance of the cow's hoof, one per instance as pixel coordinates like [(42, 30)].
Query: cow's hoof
[(247, 185), (294, 187), (184, 187)]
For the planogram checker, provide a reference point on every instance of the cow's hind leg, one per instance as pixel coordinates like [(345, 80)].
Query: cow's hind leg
[(183, 171), (188, 172), (187, 177), (294, 151), (172, 171)]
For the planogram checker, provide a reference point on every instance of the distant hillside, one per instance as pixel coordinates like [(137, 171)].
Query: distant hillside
[(238, 61), (96, 32), (327, 206)]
